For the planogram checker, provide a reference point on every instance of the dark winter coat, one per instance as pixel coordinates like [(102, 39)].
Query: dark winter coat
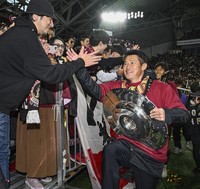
[(22, 61)]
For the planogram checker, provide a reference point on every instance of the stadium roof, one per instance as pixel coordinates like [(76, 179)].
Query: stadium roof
[(77, 16)]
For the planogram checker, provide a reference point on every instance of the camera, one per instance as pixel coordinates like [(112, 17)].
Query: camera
[(52, 49)]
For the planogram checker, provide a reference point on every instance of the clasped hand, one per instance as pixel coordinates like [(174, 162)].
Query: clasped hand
[(158, 114)]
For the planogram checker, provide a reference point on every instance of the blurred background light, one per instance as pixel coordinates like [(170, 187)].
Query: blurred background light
[(115, 17)]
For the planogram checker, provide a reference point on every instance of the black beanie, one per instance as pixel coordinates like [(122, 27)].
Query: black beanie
[(41, 7), (117, 48)]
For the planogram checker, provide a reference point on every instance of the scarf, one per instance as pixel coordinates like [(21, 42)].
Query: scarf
[(31, 105), (141, 88)]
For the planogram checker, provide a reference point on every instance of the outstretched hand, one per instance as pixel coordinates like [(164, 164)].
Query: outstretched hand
[(72, 55), (89, 59)]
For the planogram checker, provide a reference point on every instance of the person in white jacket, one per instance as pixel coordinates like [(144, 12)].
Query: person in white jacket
[(114, 73)]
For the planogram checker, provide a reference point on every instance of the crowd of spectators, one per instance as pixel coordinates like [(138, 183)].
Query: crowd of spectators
[(127, 44), (184, 67)]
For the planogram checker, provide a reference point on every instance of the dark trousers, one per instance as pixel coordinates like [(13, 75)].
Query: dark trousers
[(196, 154), (3, 184), (13, 125), (117, 155), (177, 134)]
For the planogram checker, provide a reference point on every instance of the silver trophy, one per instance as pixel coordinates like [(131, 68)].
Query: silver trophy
[(127, 112)]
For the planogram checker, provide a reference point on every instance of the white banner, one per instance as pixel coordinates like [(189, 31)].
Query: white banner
[(92, 143)]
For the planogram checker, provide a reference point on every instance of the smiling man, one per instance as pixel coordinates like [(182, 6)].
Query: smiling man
[(145, 161)]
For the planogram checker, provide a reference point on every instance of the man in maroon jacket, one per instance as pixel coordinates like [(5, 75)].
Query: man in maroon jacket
[(146, 162)]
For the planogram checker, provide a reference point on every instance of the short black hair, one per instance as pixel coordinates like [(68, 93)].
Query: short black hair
[(141, 55), (99, 35), (163, 65), (52, 40), (68, 37), (83, 37), (195, 87)]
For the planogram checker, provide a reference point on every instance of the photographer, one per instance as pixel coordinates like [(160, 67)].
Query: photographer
[(194, 108)]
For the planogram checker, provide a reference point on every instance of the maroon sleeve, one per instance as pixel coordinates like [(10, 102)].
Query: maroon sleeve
[(163, 96), (106, 87), (173, 86)]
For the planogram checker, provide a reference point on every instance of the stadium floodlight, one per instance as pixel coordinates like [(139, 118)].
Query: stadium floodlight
[(115, 17)]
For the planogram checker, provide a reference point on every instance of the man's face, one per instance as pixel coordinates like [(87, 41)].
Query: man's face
[(101, 47), (70, 43), (133, 68), (86, 42), (159, 72), (43, 24)]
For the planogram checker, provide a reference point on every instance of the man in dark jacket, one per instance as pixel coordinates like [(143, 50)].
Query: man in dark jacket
[(144, 159), (23, 61), (193, 105)]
